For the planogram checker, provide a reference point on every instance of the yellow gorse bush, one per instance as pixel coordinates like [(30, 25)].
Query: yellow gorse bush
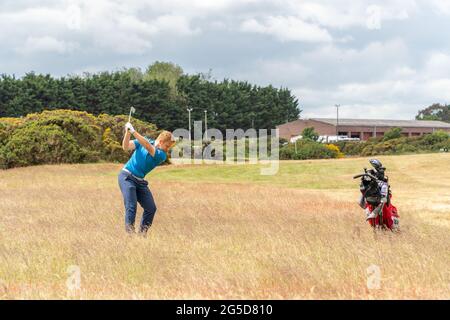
[(336, 149), (65, 136)]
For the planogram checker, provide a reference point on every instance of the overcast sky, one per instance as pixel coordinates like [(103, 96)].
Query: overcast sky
[(378, 59)]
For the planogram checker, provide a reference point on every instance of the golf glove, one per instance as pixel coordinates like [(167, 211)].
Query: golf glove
[(129, 127)]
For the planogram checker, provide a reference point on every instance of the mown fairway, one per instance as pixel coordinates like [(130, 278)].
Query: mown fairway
[(225, 232)]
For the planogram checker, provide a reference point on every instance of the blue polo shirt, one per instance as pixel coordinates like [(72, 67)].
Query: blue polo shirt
[(142, 162)]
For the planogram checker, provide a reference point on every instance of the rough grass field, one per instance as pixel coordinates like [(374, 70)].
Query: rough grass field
[(225, 232)]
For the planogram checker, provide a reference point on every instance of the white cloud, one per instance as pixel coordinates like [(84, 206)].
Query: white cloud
[(46, 44), (278, 72), (373, 21), (328, 14), (287, 29), (344, 14), (382, 99), (112, 25), (74, 18), (175, 24), (379, 80), (438, 66), (437, 90), (345, 64), (398, 94), (31, 21), (402, 72), (441, 6), (105, 24)]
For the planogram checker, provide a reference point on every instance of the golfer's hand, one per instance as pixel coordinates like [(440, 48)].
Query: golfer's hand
[(129, 127)]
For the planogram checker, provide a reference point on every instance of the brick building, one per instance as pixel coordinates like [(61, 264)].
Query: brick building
[(360, 128)]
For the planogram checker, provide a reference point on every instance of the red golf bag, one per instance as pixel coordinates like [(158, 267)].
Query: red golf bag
[(389, 214)]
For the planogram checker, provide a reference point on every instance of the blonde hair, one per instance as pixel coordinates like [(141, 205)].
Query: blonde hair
[(167, 136)]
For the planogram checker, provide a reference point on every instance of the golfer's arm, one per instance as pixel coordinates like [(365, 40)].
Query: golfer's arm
[(126, 143), (147, 145)]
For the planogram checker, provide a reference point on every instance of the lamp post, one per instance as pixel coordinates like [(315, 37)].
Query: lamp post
[(206, 124), (189, 111), (252, 118), (337, 120)]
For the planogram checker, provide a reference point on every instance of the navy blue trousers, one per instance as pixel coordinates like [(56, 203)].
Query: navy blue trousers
[(135, 191)]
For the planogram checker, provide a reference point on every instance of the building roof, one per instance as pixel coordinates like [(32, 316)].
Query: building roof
[(384, 123)]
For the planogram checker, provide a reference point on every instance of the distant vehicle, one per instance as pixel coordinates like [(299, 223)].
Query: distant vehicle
[(327, 139), (350, 139), (339, 138)]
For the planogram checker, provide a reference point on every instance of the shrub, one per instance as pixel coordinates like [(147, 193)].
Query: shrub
[(335, 149), (443, 145), (116, 125), (7, 126), (393, 133), (427, 143), (4, 134), (65, 136), (112, 149), (407, 148), (435, 137), (308, 149), (36, 144), (309, 133), (376, 146), (351, 148)]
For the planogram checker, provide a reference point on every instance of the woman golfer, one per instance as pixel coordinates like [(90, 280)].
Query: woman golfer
[(146, 156)]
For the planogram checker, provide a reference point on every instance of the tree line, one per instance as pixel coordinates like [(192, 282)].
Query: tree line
[(435, 112), (160, 95)]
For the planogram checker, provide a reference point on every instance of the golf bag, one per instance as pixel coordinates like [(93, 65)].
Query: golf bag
[(388, 218), (376, 198)]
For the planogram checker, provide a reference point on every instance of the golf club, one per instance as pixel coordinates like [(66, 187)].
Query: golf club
[(132, 110)]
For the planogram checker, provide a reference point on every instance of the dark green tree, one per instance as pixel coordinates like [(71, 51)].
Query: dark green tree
[(435, 112), (164, 71), (160, 95)]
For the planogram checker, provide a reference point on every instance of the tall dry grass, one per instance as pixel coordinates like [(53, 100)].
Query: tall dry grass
[(219, 240)]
